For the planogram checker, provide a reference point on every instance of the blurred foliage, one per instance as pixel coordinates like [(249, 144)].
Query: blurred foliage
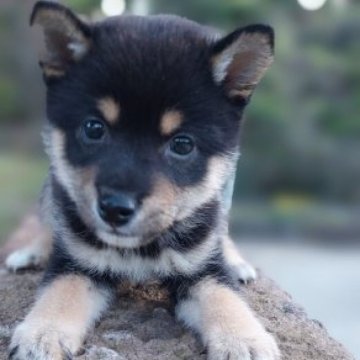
[(17, 195), (9, 103), (287, 216), (82, 6), (302, 130)]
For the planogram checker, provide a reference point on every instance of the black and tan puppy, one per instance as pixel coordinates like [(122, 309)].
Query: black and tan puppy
[(142, 134)]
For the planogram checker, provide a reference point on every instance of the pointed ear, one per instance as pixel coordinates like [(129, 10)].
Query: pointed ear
[(67, 38), (240, 60)]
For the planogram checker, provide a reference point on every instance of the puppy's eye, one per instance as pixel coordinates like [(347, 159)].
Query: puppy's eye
[(182, 145), (94, 129)]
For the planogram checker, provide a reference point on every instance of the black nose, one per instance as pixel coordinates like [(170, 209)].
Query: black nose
[(116, 207)]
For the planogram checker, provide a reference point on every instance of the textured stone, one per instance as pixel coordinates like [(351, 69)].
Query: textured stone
[(140, 325)]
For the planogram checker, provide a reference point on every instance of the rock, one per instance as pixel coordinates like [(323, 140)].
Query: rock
[(101, 353), (140, 324)]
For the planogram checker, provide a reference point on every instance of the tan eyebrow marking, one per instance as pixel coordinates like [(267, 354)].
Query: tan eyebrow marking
[(110, 109), (170, 121)]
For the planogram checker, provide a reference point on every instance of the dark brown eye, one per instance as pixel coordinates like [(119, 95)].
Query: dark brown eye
[(94, 129), (182, 145)]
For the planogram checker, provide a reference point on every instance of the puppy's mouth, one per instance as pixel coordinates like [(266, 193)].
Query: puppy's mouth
[(140, 228), (123, 236), (135, 234), (124, 239), (121, 233)]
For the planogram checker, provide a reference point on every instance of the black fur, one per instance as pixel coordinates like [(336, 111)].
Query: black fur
[(215, 268), (148, 65), (175, 224), (63, 263)]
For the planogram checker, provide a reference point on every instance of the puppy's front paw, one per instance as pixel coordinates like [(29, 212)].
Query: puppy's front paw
[(236, 345), (23, 259), (244, 271), (241, 269), (40, 342)]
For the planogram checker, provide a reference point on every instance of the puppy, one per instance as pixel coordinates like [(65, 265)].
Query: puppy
[(142, 134)]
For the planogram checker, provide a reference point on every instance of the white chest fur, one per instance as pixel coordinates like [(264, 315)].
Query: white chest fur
[(139, 268)]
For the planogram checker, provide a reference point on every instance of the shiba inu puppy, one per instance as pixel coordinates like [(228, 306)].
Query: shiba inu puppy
[(143, 126)]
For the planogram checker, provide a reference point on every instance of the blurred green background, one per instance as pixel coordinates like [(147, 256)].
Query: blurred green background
[(298, 178), (299, 172)]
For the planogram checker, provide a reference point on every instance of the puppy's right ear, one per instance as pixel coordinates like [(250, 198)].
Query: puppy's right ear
[(67, 38)]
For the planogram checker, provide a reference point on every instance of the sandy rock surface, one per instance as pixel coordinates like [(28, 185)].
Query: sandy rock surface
[(140, 325)]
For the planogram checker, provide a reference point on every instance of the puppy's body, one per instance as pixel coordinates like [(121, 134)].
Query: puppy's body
[(144, 116)]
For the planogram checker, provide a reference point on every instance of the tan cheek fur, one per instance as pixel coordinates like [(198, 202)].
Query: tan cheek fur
[(80, 183), (63, 170), (198, 195), (110, 109), (158, 209), (169, 202)]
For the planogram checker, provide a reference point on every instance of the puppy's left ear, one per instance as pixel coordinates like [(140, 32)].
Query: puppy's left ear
[(240, 60), (67, 38)]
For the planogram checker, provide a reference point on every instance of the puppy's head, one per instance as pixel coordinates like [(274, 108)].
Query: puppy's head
[(144, 114)]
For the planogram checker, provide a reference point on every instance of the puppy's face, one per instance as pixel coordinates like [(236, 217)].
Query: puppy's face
[(144, 115)]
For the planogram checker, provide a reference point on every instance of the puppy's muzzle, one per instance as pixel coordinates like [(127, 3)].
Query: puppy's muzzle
[(116, 207)]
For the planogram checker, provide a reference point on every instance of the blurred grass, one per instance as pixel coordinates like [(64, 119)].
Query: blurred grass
[(20, 182)]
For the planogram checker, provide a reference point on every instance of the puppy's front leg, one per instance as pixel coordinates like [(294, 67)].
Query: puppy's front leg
[(56, 326), (227, 326), (242, 270)]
